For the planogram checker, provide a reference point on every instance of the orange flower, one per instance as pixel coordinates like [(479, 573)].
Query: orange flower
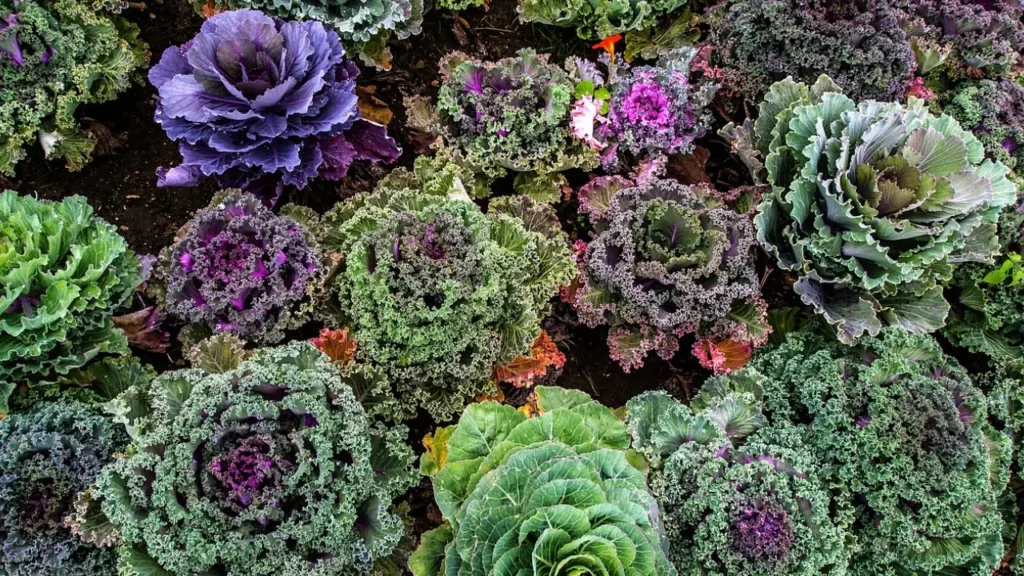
[(608, 45)]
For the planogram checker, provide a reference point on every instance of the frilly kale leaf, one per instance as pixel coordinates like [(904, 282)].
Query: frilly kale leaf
[(901, 436), (239, 268), (861, 45), (56, 55), (737, 498), (667, 260), (598, 19)]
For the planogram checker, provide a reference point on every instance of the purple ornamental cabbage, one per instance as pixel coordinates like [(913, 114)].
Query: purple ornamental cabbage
[(241, 269), (656, 109), (258, 103)]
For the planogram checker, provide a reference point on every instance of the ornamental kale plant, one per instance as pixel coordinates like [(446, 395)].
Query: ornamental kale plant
[(364, 27), (558, 492), (63, 273), (901, 435), (860, 44), (994, 111), (736, 499), (239, 268), (507, 115), (259, 103), (649, 109), (436, 292), (49, 460), (666, 261), (972, 38), (988, 299), (56, 55), (872, 204), (278, 450), (597, 19)]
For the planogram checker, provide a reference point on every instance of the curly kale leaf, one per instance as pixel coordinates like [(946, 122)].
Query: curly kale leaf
[(994, 111), (56, 55), (525, 495), (49, 457), (64, 273), (277, 449), (973, 39), (435, 291), (872, 204)]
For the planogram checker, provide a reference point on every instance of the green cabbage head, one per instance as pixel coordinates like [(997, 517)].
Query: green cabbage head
[(872, 203), (555, 494), (63, 273)]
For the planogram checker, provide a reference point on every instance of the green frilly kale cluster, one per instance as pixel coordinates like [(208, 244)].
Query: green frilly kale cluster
[(54, 56), (558, 493), (49, 460), (268, 468), (365, 26), (738, 499), (63, 273), (872, 205), (597, 19), (862, 45), (435, 291), (901, 438), (510, 115)]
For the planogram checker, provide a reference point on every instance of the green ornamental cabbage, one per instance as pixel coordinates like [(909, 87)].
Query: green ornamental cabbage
[(270, 468), (901, 437), (63, 273), (558, 493), (436, 292), (738, 498), (872, 203)]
